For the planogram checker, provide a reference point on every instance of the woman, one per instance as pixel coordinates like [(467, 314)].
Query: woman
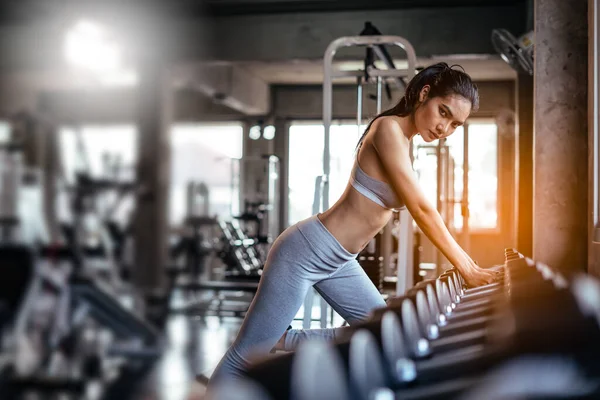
[(321, 250)]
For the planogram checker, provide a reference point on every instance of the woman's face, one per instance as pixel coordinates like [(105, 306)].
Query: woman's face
[(438, 117)]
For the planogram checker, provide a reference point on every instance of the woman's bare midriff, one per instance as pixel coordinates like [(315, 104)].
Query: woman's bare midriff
[(354, 220)]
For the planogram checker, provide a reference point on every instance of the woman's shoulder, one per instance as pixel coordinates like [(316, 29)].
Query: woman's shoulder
[(387, 127), (387, 123)]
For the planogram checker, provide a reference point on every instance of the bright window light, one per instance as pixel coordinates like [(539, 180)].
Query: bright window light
[(306, 163), (207, 153), (4, 132), (90, 47)]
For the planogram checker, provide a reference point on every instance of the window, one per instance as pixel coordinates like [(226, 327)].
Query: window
[(209, 154), (483, 175), (306, 163), (483, 172), (102, 151), (4, 132), (97, 147)]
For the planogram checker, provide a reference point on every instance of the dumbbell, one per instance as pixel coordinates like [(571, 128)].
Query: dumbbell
[(366, 366), (577, 315), (521, 273), (467, 327), (474, 359), (519, 269), (396, 349), (510, 254), (437, 308), (428, 330)]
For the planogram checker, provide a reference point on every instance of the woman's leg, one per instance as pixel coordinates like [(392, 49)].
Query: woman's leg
[(351, 294), (289, 272)]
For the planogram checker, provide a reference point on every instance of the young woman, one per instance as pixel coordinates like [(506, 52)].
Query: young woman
[(321, 250)]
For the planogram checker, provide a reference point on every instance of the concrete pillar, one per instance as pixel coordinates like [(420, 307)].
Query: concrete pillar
[(52, 166), (281, 150), (51, 180), (560, 134), (150, 223), (524, 166)]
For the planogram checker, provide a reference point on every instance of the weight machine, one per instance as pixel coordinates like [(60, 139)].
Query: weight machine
[(374, 42)]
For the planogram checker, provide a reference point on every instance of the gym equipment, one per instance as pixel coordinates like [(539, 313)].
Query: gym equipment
[(97, 256), (234, 289), (239, 252), (254, 219), (480, 329), (318, 373), (376, 43), (64, 334), (536, 377), (65, 324), (372, 264), (193, 247), (445, 197), (367, 374), (197, 199), (261, 193), (218, 304), (240, 389)]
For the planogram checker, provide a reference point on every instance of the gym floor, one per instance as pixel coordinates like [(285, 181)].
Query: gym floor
[(194, 345)]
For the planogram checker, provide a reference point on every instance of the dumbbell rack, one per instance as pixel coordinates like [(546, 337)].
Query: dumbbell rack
[(444, 340)]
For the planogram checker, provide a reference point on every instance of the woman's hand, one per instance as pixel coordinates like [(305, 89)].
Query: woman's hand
[(475, 276)]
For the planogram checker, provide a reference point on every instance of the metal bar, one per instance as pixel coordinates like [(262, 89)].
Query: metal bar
[(374, 72), (347, 74), (451, 193), (386, 236), (439, 202), (390, 64), (359, 106), (446, 183), (378, 95), (405, 267), (465, 196)]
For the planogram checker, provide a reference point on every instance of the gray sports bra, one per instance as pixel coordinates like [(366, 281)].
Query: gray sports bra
[(379, 192)]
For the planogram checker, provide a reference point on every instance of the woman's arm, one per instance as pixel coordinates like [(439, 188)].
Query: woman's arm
[(393, 150)]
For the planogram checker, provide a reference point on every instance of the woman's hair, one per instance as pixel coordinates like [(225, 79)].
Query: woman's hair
[(443, 80)]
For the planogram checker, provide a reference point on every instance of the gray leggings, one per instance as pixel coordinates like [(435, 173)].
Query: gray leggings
[(305, 255)]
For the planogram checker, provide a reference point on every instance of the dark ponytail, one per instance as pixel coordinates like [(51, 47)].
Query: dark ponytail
[(443, 80)]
